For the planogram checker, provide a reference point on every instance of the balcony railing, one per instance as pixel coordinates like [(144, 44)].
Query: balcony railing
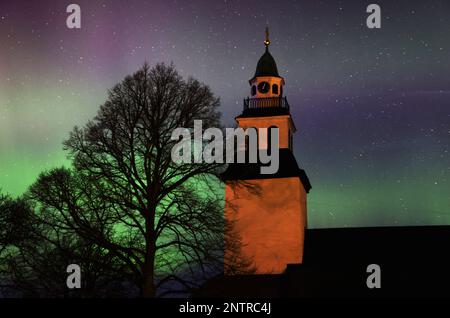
[(256, 103)]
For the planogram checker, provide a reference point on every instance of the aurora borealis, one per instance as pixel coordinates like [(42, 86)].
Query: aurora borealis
[(371, 106)]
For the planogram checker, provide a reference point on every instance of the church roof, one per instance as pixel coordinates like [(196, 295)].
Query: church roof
[(412, 260), (288, 168), (266, 65)]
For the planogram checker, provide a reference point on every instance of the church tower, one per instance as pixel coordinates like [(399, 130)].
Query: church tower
[(267, 211)]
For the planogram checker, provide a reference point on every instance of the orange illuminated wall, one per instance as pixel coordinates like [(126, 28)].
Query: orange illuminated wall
[(284, 123), (271, 223)]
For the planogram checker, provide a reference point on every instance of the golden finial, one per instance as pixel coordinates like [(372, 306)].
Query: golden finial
[(267, 41)]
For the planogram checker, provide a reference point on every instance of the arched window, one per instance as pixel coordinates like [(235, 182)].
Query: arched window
[(251, 145), (269, 140), (247, 149), (253, 90), (274, 89)]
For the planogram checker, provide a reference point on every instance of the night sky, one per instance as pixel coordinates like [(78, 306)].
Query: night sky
[(372, 106)]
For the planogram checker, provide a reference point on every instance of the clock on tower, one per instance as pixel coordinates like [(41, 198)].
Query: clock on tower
[(270, 221)]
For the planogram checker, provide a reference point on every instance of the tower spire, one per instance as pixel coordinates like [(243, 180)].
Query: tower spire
[(267, 41)]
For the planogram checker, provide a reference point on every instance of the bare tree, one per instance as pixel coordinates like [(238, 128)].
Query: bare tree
[(163, 221), (234, 262), (13, 229), (36, 250)]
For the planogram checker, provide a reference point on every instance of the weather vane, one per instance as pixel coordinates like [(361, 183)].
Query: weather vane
[(267, 41)]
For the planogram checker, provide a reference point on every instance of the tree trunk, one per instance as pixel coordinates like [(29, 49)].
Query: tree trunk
[(148, 273)]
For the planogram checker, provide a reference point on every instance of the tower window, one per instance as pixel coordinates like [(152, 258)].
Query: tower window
[(251, 145), (274, 89), (269, 140), (253, 90)]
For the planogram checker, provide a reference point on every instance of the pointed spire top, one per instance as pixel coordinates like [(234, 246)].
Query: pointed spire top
[(267, 41)]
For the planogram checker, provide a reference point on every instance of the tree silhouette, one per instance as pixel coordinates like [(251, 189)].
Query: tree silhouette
[(36, 249), (234, 262), (162, 222)]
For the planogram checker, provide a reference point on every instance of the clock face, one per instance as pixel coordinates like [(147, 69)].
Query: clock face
[(263, 87)]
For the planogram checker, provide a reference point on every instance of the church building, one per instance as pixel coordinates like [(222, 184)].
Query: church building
[(268, 211)]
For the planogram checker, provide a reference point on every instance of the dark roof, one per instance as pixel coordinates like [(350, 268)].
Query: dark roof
[(264, 112), (418, 244), (266, 65), (288, 168), (413, 262)]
